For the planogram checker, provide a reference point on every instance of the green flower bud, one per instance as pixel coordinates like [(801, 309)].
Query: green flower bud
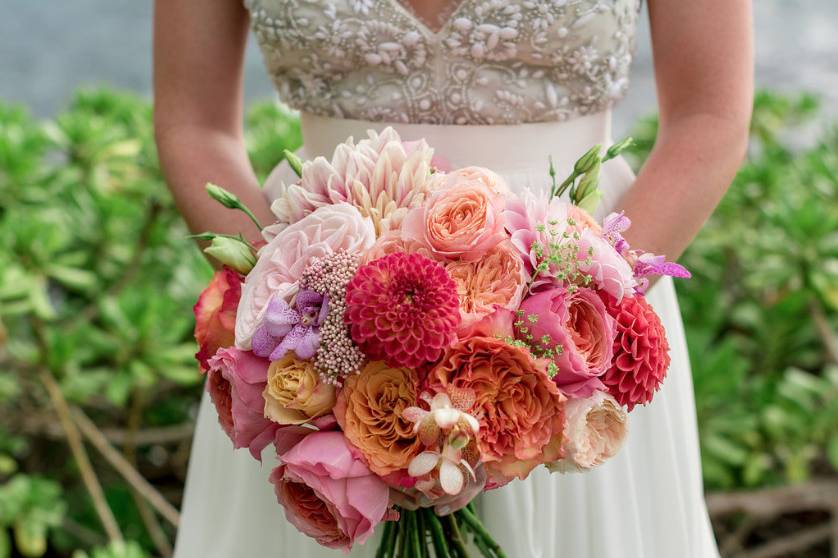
[(295, 162), (618, 148), (588, 184), (233, 253), (588, 160), (590, 202), (222, 196)]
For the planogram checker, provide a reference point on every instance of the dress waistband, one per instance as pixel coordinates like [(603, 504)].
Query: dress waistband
[(510, 148)]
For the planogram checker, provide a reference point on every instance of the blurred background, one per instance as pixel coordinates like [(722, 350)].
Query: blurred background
[(98, 386)]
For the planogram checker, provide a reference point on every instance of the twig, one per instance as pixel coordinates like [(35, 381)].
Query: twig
[(129, 450), (43, 425), (792, 543), (824, 330), (125, 469), (88, 475), (772, 502)]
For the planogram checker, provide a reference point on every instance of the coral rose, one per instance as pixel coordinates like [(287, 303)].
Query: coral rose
[(294, 393), (235, 382), (215, 314), (328, 493), (461, 220), (495, 281), (595, 428), (577, 322), (520, 410), (369, 410), (282, 261), (393, 242), (641, 352)]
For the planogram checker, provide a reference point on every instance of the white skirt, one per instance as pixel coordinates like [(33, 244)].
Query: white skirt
[(647, 502)]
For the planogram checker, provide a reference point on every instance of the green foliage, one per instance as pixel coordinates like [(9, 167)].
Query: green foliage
[(97, 282), (760, 311), (115, 550)]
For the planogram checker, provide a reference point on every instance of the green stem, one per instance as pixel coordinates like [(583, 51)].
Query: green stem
[(456, 536), (413, 525), (480, 531), (423, 533), (404, 534), (386, 544), (437, 534)]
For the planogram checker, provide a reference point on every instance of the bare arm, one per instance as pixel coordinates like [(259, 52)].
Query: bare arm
[(198, 54), (704, 68)]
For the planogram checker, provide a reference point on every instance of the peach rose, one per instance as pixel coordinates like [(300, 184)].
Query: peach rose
[(520, 410), (282, 261), (215, 314), (294, 393), (463, 219), (594, 432), (495, 281), (369, 410)]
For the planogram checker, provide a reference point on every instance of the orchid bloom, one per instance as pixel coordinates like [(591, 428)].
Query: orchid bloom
[(291, 329), (459, 429)]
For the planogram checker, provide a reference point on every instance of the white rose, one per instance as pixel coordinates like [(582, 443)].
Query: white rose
[(282, 261), (594, 431)]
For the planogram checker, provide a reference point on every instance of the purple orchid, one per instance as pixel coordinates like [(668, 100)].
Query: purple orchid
[(295, 329), (649, 264), (613, 227)]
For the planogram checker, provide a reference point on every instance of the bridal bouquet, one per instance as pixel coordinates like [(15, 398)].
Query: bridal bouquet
[(409, 336)]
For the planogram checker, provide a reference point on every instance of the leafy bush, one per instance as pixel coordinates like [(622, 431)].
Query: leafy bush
[(760, 312), (97, 282)]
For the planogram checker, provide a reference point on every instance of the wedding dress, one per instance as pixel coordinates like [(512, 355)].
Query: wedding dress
[(502, 84)]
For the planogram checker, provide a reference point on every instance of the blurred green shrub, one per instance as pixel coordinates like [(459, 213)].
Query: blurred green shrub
[(97, 281), (760, 311)]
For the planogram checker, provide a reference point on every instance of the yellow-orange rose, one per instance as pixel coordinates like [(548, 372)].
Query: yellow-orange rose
[(294, 393), (369, 410), (496, 280), (520, 410)]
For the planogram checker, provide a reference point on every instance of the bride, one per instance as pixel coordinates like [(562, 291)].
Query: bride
[(497, 83)]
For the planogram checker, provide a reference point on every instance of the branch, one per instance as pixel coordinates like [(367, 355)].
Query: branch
[(791, 544), (124, 468), (88, 475), (824, 330), (772, 502)]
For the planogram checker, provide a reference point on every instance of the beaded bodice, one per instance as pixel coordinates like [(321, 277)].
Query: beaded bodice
[(490, 62)]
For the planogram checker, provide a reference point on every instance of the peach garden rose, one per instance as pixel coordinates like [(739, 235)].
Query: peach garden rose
[(294, 393), (463, 217)]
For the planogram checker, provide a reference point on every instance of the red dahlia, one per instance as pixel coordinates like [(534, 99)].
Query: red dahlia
[(403, 309), (641, 351)]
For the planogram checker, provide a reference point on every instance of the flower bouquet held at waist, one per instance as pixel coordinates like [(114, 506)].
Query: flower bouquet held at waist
[(412, 335)]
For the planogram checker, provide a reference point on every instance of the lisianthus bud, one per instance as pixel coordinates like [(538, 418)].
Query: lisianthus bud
[(294, 162), (587, 161), (591, 200), (233, 253), (618, 148), (222, 196)]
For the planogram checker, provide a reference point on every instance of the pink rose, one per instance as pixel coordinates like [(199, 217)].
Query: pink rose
[(499, 324), (609, 270), (215, 314), (594, 430), (282, 261), (327, 491), (235, 382), (392, 242), (580, 324), (529, 218), (463, 218)]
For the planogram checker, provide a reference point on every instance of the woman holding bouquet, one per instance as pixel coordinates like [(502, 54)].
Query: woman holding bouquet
[(500, 84)]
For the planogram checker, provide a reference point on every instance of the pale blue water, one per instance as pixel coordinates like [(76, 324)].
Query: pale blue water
[(50, 47)]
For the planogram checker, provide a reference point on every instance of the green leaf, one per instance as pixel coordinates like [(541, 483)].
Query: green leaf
[(832, 450)]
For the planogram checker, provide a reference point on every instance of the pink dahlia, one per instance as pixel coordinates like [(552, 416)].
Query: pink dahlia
[(402, 308), (641, 351)]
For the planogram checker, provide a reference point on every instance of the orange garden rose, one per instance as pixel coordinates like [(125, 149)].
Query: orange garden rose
[(215, 314), (294, 393), (369, 410), (496, 280), (520, 410)]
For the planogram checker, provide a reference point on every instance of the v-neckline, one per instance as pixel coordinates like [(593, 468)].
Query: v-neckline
[(445, 20)]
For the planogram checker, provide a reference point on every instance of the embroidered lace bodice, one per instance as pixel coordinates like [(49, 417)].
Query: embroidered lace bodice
[(490, 62)]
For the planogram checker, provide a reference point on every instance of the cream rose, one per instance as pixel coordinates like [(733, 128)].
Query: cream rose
[(282, 261), (594, 431), (294, 393)]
